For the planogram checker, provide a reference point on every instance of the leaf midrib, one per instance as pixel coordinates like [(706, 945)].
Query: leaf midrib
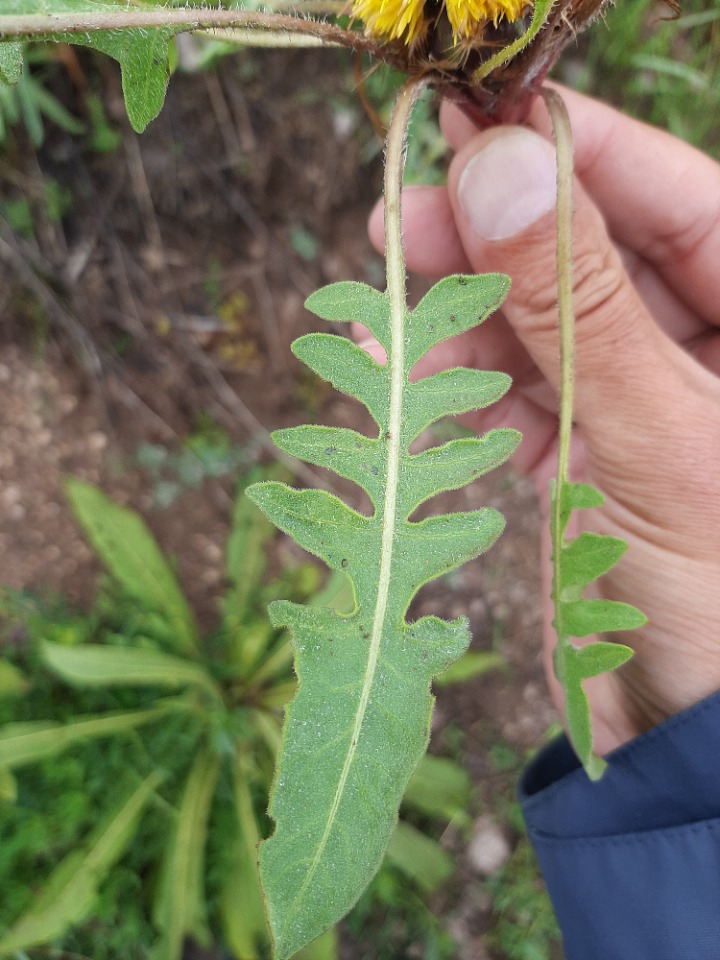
[(396, 364)]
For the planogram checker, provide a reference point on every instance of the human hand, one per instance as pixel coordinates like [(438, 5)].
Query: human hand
[(647, 398)]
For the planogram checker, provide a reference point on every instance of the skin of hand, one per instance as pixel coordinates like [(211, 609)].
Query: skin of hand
[(646, 267)]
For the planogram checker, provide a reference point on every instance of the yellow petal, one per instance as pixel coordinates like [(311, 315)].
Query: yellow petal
[(391, 19)]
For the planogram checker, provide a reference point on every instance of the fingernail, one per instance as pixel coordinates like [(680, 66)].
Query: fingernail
[(508, 185)]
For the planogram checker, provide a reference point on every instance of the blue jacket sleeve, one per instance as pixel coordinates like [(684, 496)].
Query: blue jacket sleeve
[(632, 862)]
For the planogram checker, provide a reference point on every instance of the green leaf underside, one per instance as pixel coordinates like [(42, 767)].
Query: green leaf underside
[(142, 53), (69, 894), (581, 562), (11, 61), (360, 721)]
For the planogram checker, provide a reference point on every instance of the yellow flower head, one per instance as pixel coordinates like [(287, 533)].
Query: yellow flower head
[(391, 19), (404, 19), (465, 14)]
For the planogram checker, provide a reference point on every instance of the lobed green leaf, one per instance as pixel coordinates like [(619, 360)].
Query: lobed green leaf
[(578, 564), (359, 723), (141, 53), (588, 557), (580, 618), (454, 305)]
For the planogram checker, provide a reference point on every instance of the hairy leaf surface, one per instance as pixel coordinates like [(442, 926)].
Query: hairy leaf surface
[(11, 61), (359, 723), (141, 53), (578, 564)]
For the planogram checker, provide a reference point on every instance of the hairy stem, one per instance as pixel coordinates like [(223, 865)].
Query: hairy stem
[(541, 12), (395, 151), (563, 141), (43, 25)]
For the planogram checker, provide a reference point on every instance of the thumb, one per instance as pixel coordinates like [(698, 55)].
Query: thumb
[(503, 187)]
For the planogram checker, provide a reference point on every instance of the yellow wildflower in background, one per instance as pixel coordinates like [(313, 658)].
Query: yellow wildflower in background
[(404, 19)]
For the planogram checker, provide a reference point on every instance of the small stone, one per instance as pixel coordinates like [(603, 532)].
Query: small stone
[(11, 495), (96, 441), (489, 848)]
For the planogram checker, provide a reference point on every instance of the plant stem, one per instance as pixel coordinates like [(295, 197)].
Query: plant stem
[(563, 141), (541, 11), (395, 150), (43, 25)]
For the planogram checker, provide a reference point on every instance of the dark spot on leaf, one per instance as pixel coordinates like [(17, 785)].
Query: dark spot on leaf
[(365, 636), (387, 435), (374, 471), (156, 62), (330, 451), (343, 563), (462, 281)]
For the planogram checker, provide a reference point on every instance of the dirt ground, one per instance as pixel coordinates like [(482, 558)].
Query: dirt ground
[(170, 290)]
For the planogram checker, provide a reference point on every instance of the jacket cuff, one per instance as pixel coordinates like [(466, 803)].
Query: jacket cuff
[(632, 862)]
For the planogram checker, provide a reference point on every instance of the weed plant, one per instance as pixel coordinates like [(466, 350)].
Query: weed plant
[(138, 901)]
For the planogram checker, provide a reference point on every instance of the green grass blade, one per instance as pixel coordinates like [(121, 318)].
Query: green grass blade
[(30, 741), (419, 857), (97, 665), (12, 680), (180, 908), (244, 558), (359, 723), (439, 788), (326, 947), (131, 554), (241, 905), (473, 664), (70, 892)]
